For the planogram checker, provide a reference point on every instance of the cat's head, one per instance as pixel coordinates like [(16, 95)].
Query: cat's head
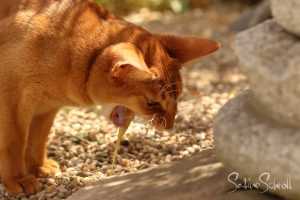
[(145, 75)]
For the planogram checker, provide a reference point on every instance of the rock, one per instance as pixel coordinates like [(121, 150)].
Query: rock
[(287, 14), (252, 17), (270, 58), (253, 146), (200, 177)]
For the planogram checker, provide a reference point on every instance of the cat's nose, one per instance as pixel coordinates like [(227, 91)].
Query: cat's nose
[(170, 120), (163, 121), (168, 123)]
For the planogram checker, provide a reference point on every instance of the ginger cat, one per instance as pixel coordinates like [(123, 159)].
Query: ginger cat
[(56, 53)]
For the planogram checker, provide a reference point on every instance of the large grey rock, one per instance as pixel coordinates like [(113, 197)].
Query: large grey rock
[(201, 177), (287, 14), (270, 57), (252, 17), (253, 146)]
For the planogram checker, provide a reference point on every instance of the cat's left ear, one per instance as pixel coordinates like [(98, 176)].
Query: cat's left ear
[(186, 49), (128, 64)]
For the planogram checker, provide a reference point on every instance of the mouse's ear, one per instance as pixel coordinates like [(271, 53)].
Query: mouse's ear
[(128, 63), (188, 48)]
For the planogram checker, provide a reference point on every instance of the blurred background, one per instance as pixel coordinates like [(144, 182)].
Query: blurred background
[(126, 6)]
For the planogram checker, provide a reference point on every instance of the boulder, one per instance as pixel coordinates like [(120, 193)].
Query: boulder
[(257, 149), (287, 14), (269, 57), (252, 17)]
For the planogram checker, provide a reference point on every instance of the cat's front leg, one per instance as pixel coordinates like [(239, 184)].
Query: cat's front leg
[(36, 153), (13, 140)]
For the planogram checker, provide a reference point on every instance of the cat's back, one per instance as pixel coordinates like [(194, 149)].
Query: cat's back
[(50, 21), (8, 7), (43, 37), (39, 27), (30, 38)]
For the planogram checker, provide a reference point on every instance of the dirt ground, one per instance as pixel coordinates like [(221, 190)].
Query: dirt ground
[(83, 141)]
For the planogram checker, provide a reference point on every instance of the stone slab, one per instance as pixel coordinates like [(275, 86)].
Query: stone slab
[(201, 177)]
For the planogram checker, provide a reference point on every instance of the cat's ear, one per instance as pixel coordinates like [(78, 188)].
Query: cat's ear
[(186, 49), (128, 64)]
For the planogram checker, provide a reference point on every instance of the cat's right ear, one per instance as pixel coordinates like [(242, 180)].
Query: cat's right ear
[(187, 48), (128, 64)]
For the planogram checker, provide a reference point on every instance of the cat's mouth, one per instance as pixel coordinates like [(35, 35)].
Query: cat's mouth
[(159, 120)]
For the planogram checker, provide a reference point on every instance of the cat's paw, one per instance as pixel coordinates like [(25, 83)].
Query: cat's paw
[(49, 168), (28, 185)]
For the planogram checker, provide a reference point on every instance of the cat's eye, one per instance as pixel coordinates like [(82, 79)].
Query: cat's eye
[(153, 104)]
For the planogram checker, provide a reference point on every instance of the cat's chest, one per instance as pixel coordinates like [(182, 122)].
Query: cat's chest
[(107, 109)]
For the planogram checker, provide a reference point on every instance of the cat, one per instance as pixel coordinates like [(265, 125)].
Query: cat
[(56, 53)]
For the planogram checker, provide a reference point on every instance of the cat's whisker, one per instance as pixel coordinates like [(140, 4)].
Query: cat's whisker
[(151, 120), (171, 92), (174, 90)]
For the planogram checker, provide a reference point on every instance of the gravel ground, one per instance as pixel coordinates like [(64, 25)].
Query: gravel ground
[(83, 141)]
